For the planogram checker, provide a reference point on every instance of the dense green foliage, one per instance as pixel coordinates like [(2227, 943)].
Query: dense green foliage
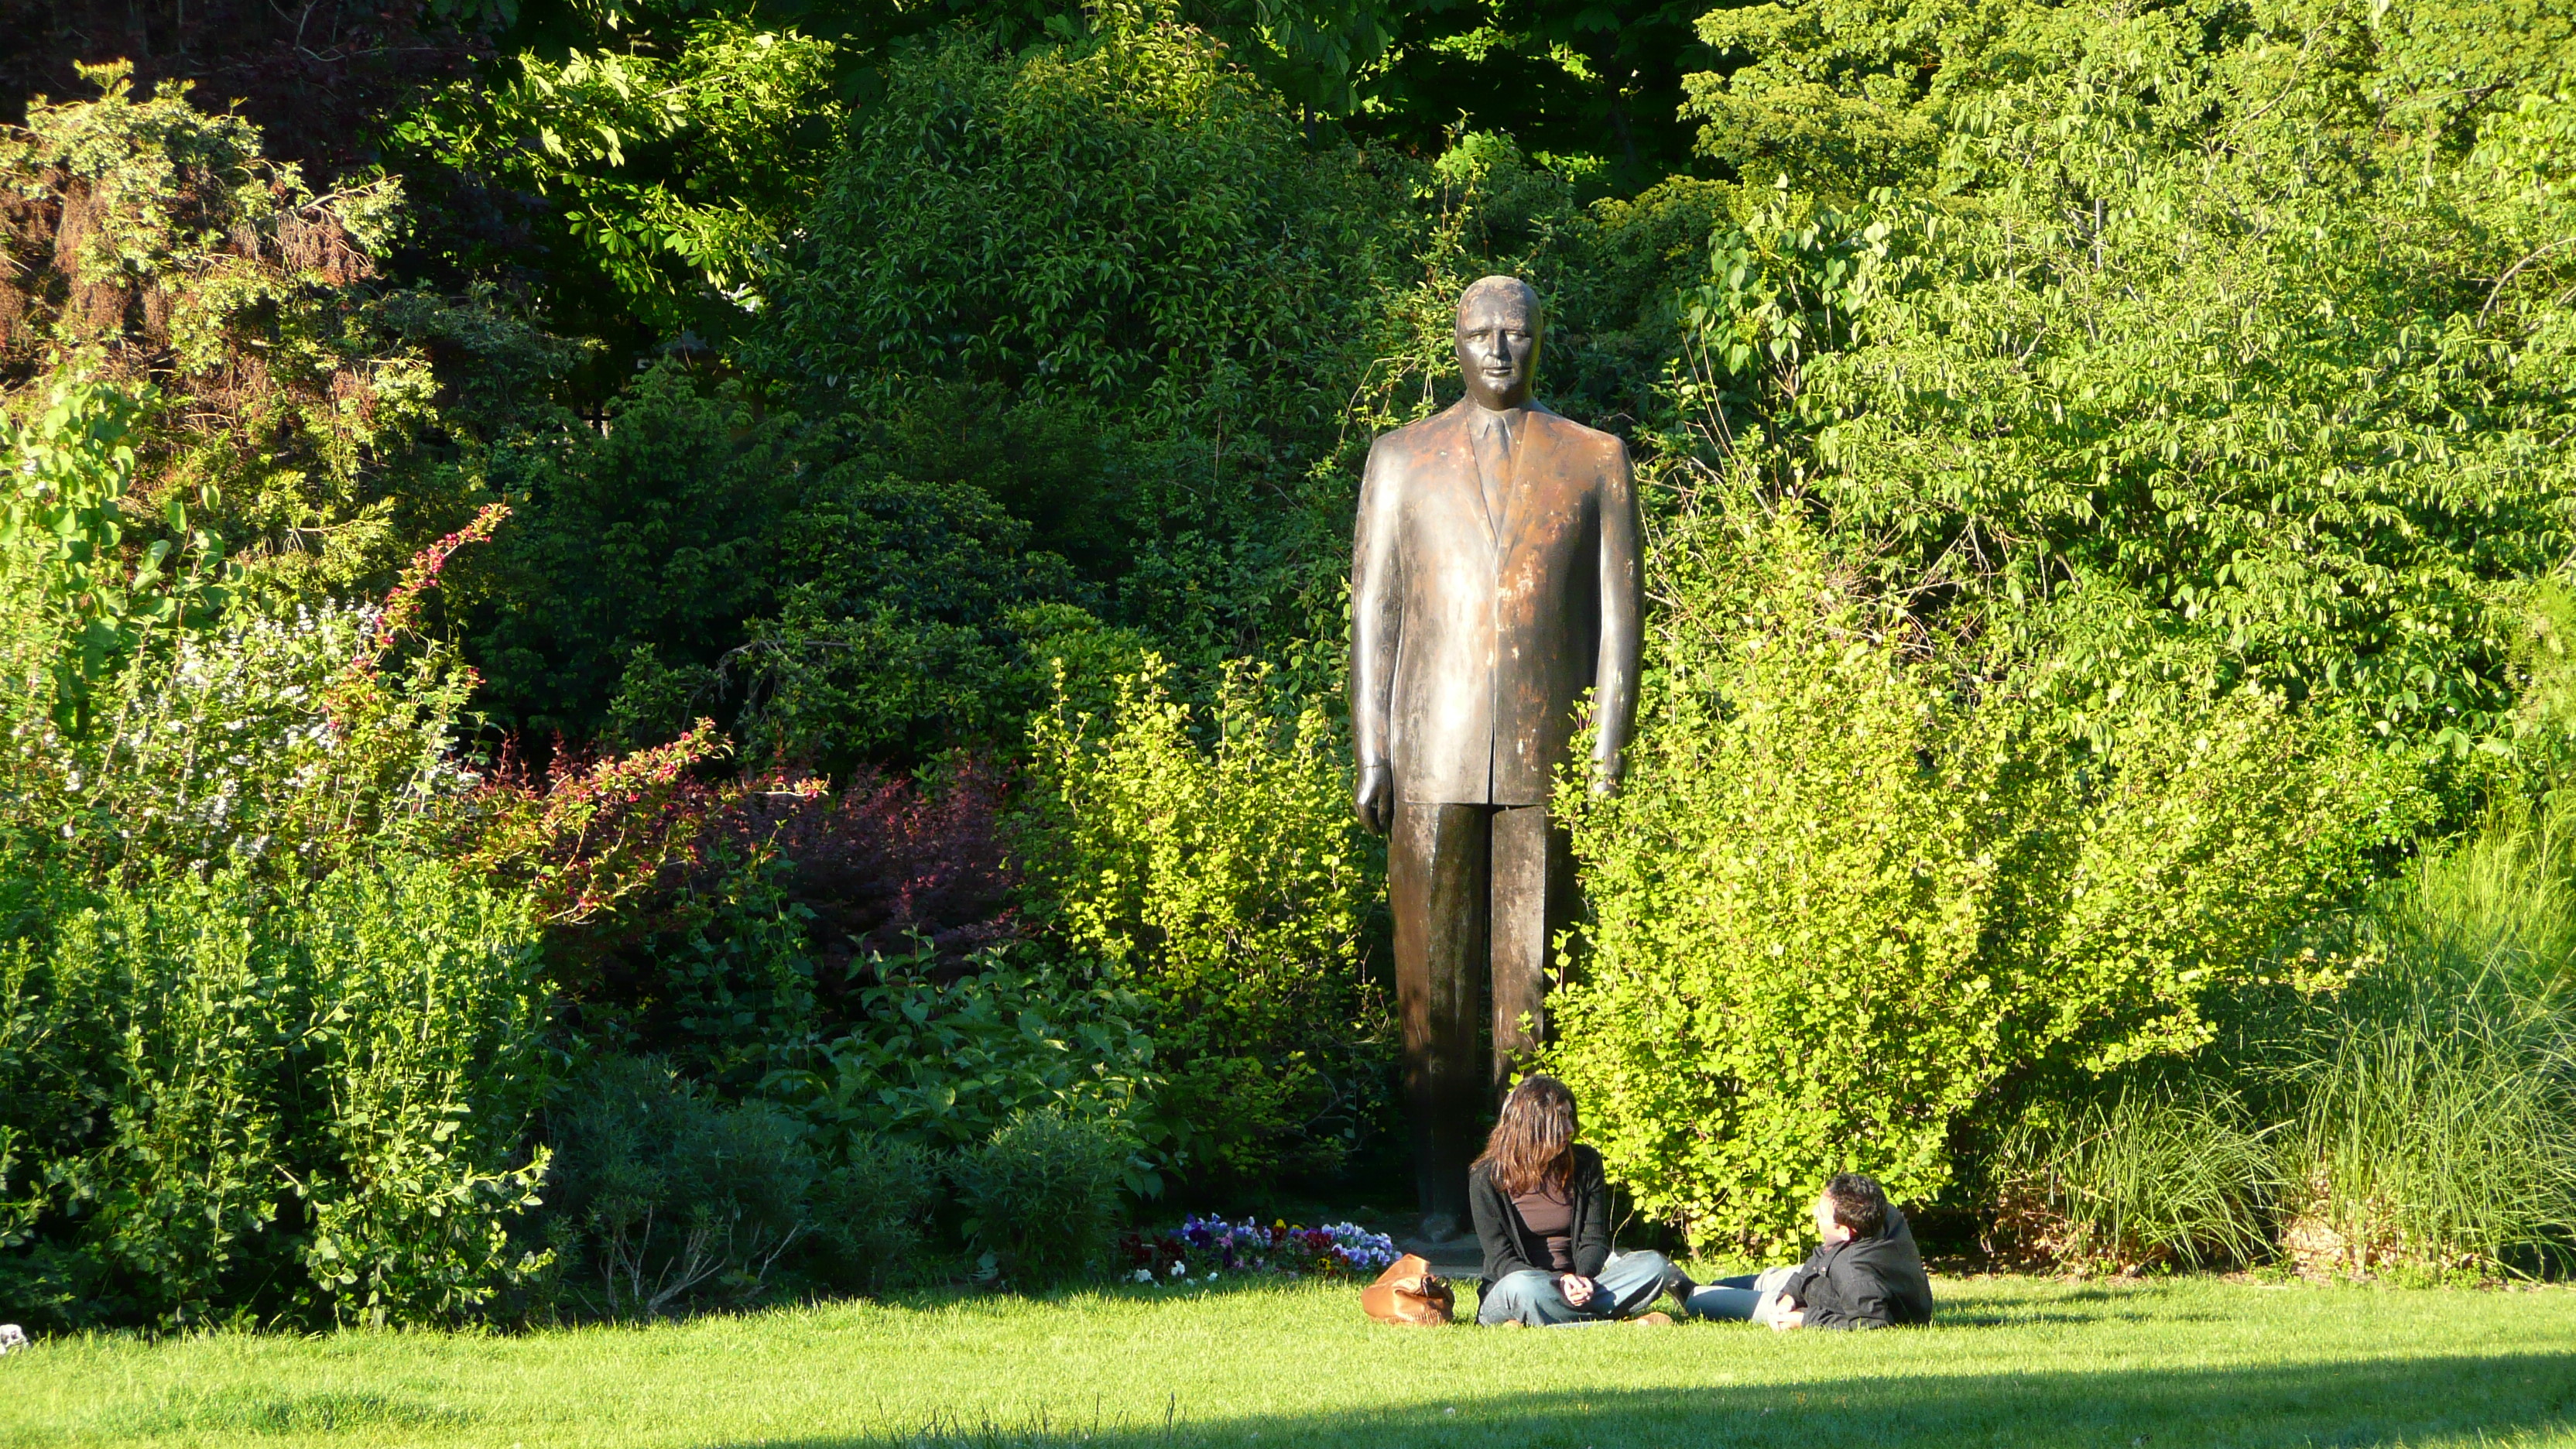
[(1040, 1196), (849, 789), (242, 1098), (1111, 288), (696, 560), (298, 412), (1226, 888), (2410, 1122), (1858, 879), (2214, 330)]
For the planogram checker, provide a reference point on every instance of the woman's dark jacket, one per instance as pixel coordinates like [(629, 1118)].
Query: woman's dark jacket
[(1510, 1246), (1865, 1283)]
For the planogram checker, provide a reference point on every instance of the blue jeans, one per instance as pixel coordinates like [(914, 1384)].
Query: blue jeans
[(1737, 1298), (1627, 1284)]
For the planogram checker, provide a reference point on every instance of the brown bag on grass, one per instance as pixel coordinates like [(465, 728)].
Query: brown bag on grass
[(1409, 1292)]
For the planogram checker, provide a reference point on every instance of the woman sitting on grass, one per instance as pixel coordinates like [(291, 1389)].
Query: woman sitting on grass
[(1542, 1212)]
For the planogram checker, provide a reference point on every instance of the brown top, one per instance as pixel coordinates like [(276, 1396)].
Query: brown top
[(1549, 1214)]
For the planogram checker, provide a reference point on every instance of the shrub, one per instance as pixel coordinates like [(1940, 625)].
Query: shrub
[(872, 1213), (1112, 286), (942, 1059), (421, 1034), (154, 247), (733, 927), (1862, 871), (223, 1087), (2046, 344), (1041, 1196), (1132, 219), (667, 1197), (271, 1059), (702, 558), (157, 735), (1224, 884)]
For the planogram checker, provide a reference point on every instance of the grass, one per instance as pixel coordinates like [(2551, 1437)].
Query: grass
[(2184, 1361)]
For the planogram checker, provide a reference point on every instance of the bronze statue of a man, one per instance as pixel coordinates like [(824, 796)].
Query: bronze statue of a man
[(1493, 580)]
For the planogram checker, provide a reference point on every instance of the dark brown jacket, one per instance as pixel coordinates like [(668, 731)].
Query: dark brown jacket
[(1472, 636), (1509, 1244)]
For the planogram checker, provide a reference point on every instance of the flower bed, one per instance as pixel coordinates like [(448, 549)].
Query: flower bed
[(1201, 1248)]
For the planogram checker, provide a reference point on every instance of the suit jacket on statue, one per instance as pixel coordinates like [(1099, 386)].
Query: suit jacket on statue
[(1473, 635)]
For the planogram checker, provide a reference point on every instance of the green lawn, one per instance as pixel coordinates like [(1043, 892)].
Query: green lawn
[(2013, 1362)]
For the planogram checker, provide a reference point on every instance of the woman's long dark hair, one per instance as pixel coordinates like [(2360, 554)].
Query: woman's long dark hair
[(1532, 1146)]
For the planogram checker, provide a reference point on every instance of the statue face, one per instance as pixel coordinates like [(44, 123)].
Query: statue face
[(1498, 349)]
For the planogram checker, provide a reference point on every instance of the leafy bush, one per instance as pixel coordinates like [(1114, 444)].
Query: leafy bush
[(154, 248), (1225, 885), (2122, 249), (734, 927), (941, 1059), (871, 1214), (672, 156), (1041, 1195), (223, 1088), (82, 601), (1861, 872), (698, 559), (274, 1060), (666, 1196), (154, 732), (1109, 284)]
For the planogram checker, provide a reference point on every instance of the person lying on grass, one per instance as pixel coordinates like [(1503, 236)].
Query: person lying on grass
[(1542, 1210), (1866, 1275)]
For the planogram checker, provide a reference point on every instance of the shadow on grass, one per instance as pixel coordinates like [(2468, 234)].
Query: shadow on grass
[(2327, 1406)]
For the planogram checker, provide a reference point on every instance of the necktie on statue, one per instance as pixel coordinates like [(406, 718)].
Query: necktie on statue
[(1493, 438)]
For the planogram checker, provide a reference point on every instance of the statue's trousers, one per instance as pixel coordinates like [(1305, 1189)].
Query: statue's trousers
[(1479, 892)]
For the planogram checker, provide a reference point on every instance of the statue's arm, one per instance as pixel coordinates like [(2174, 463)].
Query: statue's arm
[(1623, 607), (1377, 622)]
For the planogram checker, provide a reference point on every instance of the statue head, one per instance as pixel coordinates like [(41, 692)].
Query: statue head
[(1498, 337)]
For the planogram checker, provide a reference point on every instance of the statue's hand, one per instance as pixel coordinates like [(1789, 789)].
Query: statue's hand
[(1373, 798)]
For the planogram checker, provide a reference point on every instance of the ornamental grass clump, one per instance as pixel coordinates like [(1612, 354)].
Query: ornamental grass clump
[(2153, 1174), (2431, 1106)]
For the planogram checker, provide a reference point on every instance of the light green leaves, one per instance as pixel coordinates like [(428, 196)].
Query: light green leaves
[(1862, 873), (62, 526)]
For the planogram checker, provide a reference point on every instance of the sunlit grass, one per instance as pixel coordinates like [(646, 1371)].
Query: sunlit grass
[(2189, 1361)]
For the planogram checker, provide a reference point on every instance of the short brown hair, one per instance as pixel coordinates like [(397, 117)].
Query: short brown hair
[(1858, 1203), (1532, 1144)]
